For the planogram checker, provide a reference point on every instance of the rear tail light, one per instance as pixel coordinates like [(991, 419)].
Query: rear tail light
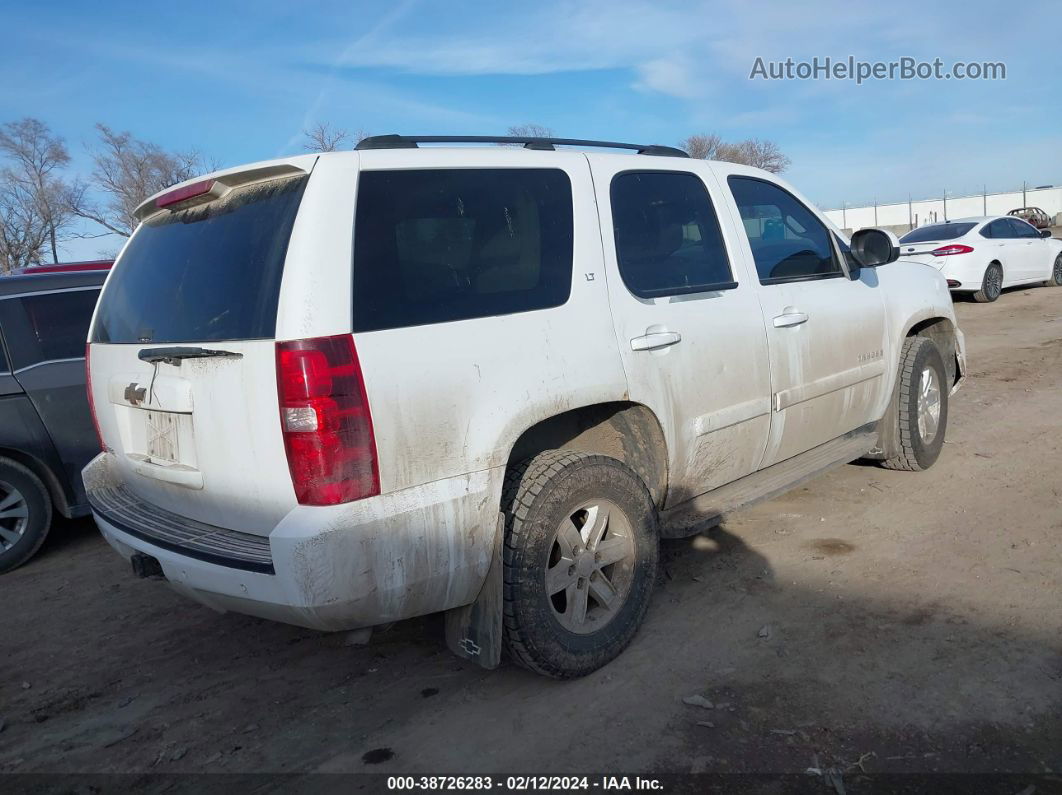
[(947, 251), (91, 401), (324, 416)]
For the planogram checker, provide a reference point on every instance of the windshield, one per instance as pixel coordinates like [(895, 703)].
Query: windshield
[(935, 232), (204, 274)]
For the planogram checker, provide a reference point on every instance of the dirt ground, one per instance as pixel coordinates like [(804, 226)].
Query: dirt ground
[(910, 622)]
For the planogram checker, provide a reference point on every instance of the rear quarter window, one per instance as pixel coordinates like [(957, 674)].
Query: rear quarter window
[(440, 245), (48, 326), (204, 274)]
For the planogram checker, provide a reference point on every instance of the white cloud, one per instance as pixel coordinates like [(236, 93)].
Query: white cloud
[(672, 76)]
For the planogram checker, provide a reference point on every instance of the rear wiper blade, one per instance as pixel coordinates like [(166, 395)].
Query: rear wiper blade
[(176, 355)]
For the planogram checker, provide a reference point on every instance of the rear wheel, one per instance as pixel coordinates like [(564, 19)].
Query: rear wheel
[(25, 514), (991, 285), (581, 550), (1056, 274), (922, 406)]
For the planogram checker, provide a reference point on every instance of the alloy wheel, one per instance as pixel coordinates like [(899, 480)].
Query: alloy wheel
[(994, 282), (928, 405), (14, 515), (591, 566)]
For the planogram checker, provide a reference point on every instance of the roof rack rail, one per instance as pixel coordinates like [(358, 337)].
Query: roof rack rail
[(547, 144)]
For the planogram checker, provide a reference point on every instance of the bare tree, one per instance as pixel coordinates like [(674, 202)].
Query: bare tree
[(530, 130), (33, 192), (322, 137), (23, 233), (756, 152), (759, 153), (703, 146), (127, 171)]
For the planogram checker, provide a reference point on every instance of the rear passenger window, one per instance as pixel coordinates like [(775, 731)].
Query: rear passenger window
[(3, 358), (668, 240), (438, 245), (58, 325), (789, 243)]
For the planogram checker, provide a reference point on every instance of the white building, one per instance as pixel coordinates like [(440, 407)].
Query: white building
[(927, 211)]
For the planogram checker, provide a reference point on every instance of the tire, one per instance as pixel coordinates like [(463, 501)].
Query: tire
[(991, 284), (25, 514), (922, 376), (594, 497), (1056, 274)]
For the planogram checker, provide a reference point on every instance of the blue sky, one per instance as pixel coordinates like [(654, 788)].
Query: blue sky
[(240, 81)]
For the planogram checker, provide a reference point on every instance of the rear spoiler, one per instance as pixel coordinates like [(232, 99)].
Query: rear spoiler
[(189, 194)]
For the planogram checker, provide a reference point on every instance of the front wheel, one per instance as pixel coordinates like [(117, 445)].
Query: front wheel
[(581, 551), (922, 406), (991, 284), (1056, 274)]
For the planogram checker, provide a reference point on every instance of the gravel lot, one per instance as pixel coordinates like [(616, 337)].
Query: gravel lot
[(911, 621)]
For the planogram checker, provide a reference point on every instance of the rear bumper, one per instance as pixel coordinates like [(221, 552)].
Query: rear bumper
[(969, 274), (383, 559), (967, 270)]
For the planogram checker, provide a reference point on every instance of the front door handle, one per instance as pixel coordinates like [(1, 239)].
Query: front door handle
[(790, 319), (654, 340)]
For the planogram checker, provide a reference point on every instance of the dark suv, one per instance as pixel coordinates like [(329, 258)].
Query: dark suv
[(46, 429)]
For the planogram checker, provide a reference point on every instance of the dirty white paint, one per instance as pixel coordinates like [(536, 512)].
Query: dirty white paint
[(235, 468), (449, 401)]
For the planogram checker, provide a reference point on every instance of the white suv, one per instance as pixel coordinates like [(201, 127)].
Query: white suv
[(345, 389)]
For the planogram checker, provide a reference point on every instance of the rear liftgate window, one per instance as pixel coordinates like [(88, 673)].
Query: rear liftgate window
[(438, 245), (204, 274)]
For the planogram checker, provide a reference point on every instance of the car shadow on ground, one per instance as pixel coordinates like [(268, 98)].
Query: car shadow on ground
[(130, 677), (67, 535)]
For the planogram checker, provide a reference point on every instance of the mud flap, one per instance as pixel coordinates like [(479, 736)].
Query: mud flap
[(888, 441), (474, 631)]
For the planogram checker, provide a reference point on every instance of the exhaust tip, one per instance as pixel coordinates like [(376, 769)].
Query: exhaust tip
[(146, 567)]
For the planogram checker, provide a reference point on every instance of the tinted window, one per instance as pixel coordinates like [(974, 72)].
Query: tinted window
[(438, 245), (204, 274), (788, 241), (935, 232), (3, 358), (1022, 229), (668, 239), (58, 325)]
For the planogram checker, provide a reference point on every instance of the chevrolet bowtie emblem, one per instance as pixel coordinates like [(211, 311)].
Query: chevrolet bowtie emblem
[(135, 394)]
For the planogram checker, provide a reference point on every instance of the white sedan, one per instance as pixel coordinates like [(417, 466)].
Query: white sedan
[(984, 255)]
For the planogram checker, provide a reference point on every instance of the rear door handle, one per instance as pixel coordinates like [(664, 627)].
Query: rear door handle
[(790, 319), (654, 340)]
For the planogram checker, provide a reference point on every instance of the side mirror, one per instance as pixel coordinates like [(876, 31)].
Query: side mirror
[(873, 247), (1045, 233)]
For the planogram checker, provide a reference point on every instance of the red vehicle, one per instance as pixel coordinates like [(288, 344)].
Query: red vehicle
[(1034, 215), (65, 267)]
